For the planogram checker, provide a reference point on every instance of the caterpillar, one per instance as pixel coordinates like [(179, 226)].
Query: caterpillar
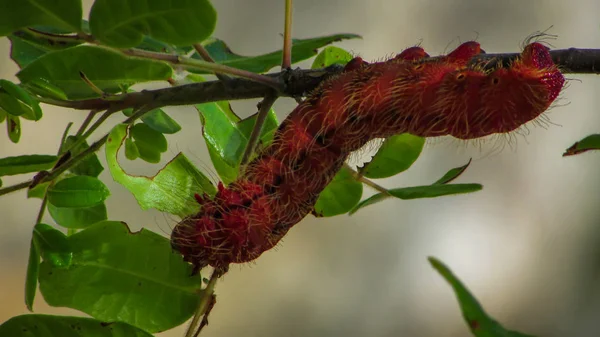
[(406, 94)]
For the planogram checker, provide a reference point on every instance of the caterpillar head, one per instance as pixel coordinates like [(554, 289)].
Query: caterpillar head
[(536, 55)]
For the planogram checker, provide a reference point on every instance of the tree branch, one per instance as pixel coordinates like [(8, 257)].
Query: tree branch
[(296, 83)]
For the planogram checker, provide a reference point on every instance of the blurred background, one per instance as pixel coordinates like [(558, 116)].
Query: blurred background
[(528, 245)]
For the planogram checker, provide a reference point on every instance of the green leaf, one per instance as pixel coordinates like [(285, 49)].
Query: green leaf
[(149, 142), (31, 280), (123, 23), (78, 217), (90, 166), (171, 190), (44, 88), (268, 129), (226, 172), (302, 49), (419, 192), (479, 322), (131, 150), (158, 120), (117, 275), (331, 55), (39, 191), (13, 127), (77, 192), (221, 132), (396, 155), (437, 189), (26, 47), (452, 174), (65, 326), (52, 245), (17, 101), (340, 196), (226, 135), (109, 70), (64, 14), (27, 163), (591, 142)]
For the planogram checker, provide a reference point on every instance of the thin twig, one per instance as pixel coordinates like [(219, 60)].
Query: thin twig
[(263, 112), (216, 68), (64, 138), (206, 57), (204, 303), (286, 63), (57, 171), (86, 122), (82, 138), (40, 215)]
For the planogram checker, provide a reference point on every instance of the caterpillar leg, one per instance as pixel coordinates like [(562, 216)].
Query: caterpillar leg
[(464, 53), (411, 54), (354, 64)]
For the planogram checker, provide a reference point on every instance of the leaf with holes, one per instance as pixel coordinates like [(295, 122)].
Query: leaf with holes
[(116, 275), (171, 190)]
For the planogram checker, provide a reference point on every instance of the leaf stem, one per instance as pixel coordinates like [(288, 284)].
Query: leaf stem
[(206, 57), (223, 69), (64, 138), (86, 122), (286, 62), (367, 182), (40, 215), (204, 303), (55, 37), (263, 111)]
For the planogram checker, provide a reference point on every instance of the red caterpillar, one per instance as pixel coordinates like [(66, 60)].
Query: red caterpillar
[(425, 98)]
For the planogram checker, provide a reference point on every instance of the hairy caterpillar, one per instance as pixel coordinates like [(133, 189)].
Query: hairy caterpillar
[(446, 96)]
